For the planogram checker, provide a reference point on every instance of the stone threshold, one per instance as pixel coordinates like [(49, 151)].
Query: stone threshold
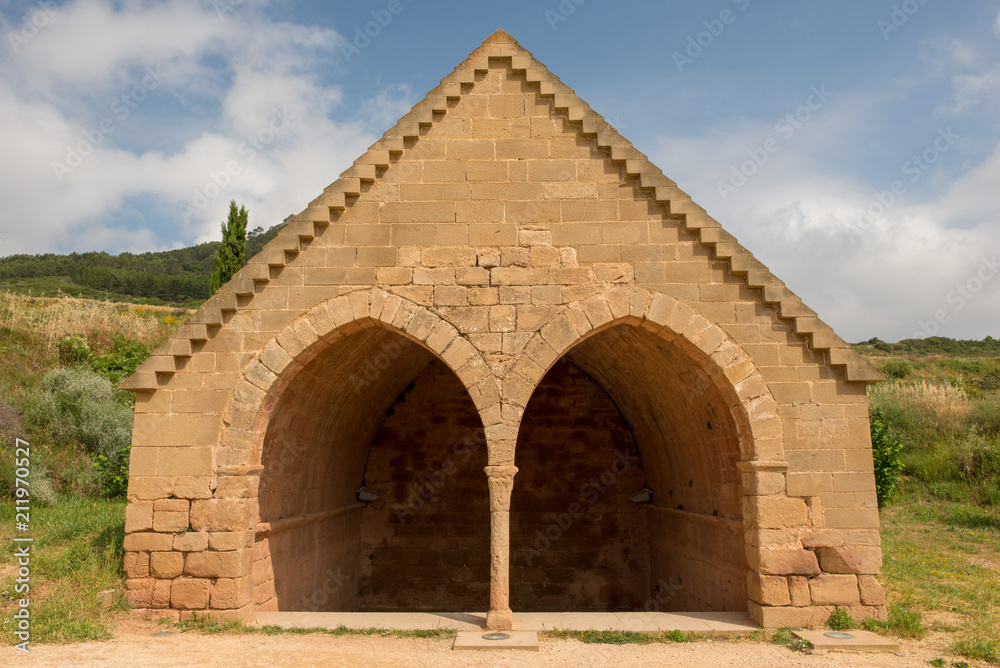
[(709, 623)]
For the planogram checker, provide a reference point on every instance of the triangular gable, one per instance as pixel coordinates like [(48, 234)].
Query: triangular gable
[(342, 194)]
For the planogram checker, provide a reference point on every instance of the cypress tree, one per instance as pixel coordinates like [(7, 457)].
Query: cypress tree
[(232, 253)]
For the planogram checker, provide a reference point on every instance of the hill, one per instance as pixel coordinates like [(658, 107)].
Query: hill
[(932, 345), (178, 277)]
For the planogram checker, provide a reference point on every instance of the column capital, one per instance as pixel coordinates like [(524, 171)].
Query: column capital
[(500, 472)]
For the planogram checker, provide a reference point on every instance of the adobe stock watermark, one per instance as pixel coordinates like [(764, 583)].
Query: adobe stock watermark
[(562, 12), (249, 149), (34, 21), (959, 296), (373, 367), (665, 592), (223, 7), (785, 128), (334, 582), (22, 544), (590, 493), (900, 16), (121, 108), (918, 165), (697, 44), (363, 35)]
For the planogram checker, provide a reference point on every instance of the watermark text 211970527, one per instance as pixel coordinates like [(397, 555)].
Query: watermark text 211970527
[(22, 543)]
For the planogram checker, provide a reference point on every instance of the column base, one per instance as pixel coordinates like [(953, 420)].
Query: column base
[(499, 620)]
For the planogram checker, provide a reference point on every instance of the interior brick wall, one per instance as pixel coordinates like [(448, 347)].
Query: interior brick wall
[(425, 544), (577, 541)]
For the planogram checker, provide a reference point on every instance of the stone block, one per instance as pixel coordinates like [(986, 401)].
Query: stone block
[(231, 540), (168, 521), (190, 593), (137, 564), (166, 565), (191, 541), (231, 593), (223, 514), (856, 559), (798, 589), (768, 589), (233, 564), (148, 542), (138, 517), (840, 590), (193, 487), (871, 591), (775, 512), (788, 562)]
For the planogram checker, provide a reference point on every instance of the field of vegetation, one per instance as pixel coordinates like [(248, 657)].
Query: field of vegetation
[(936, 425), (178, 277)]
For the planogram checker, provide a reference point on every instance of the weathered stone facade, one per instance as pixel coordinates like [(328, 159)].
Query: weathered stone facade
[(503, 231)]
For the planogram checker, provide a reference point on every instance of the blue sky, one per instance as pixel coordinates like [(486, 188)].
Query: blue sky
[(853, 146)]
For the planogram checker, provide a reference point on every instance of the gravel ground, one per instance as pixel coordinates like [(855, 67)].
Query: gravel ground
[(134, 645)]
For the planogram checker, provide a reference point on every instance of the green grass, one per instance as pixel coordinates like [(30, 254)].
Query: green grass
[(941, 561), (621, 637), (77, 552), (207, 625), (903, 622)]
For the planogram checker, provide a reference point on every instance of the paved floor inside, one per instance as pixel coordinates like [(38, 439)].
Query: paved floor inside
[(712, 623)]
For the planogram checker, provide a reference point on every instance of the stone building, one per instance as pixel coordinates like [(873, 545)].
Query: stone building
[(504, 362)]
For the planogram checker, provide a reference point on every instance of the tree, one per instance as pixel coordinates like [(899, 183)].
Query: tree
[(232, 254)]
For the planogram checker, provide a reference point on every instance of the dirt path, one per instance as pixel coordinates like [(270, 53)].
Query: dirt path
[(134, 645)]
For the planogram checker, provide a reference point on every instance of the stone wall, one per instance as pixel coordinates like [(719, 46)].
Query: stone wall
[(577, 541), (697, 561), (500, 226), (316, 559), (425, 544)]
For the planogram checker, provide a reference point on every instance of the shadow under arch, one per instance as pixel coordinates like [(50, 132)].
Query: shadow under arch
[(679, 405), (326, 414)]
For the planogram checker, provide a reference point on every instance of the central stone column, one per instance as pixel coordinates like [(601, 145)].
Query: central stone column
[(501, 481)]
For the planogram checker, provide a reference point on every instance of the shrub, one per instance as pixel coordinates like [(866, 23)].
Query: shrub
[(112, 473), (74, 350), (839, 620), (78, 405), (978, 458), (121, 360), (989, 383), (984, 413), (896, 369), (886, 448), (43, 491)]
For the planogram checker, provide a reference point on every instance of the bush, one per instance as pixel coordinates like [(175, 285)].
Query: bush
[(984, 413), (112, 473), (839, 620), (978, 458), (896, 369), (121, 360), (886, 449), (74, 350), (78, 405)]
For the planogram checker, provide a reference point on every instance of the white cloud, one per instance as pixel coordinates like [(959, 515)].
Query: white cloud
[(229, 77), (801, 218)]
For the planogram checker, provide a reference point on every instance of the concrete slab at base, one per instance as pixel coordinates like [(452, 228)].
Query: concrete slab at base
[(863, 641), (406, 621), (709, 623), (523, 640)]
